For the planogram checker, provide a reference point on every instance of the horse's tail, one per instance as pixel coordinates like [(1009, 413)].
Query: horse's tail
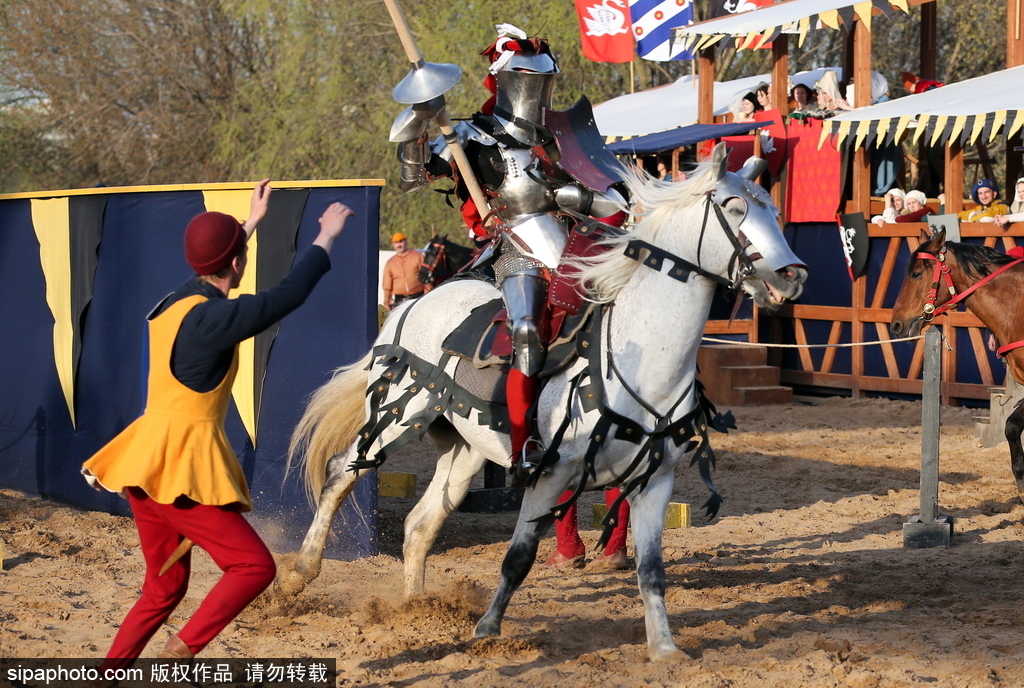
[(332, 419)]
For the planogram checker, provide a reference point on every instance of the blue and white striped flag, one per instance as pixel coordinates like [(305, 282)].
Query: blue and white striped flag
[(653, 21)]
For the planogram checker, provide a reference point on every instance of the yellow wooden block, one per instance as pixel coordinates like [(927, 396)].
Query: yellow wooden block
[(677, 515), (396, 484)]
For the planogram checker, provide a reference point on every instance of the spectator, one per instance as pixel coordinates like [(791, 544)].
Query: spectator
[(830, 102), (763, 92), (804, 96), (915, 208), (879, 90), (894, 207), (986, 195), (745, 107), (1016, 208), (915, 84), (402, 273)]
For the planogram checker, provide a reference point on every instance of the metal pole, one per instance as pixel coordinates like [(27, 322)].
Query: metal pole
[(928, 529)]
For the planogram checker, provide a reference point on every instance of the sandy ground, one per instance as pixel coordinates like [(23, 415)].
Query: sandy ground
[(802, 581)]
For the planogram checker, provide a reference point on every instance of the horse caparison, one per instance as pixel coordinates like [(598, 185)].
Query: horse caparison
[(991, 284), (653, 341)]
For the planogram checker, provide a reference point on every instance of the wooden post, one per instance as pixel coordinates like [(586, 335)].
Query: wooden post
[(780, 100), (929, 39), (1014, 58), (862, 92), (928, 529), (861, 200), (705, 88), (954, 184), (927, 70)]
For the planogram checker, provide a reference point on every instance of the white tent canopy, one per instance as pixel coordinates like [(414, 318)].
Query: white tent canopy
[(675, 105), (963, 111), (794, 16)]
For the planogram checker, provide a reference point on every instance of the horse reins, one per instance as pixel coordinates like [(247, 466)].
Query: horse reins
[(942, 274)]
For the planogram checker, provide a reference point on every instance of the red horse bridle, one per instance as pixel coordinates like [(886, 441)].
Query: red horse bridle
[(439, 259), (942, 274)]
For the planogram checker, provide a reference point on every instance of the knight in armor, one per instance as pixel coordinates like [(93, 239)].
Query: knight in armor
[(533, 204)]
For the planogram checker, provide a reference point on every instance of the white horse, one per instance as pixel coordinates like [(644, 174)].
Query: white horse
[(716, 227)]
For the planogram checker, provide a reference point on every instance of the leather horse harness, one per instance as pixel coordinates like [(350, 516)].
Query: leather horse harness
[(942, 274), (587, 387)]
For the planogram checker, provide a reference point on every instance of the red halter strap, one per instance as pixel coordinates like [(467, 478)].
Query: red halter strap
[(942, 274), (1003, 350)]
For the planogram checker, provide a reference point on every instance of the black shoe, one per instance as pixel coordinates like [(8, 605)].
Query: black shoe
[(524, 464), (520, 473)]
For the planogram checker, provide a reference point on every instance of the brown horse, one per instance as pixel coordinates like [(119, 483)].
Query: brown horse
[(939, 277)]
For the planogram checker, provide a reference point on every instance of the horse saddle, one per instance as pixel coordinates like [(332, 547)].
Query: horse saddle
[(484, 339)]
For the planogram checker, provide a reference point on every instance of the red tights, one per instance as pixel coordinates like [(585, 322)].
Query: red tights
[(519, 392), (567, 529), (232, 543)]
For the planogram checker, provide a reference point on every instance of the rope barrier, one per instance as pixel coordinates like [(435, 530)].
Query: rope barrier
[(809, 346)]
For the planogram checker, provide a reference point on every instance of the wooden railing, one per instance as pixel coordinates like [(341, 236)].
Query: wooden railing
[(867, 319)]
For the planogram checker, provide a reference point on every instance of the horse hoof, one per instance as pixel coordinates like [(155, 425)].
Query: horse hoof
[(671, 655), (289, 583), (1020, 488), (487, 629)]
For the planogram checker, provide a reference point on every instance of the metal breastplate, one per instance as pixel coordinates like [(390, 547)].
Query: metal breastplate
[(520, 194)]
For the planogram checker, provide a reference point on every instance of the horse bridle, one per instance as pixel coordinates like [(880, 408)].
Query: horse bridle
[(656, 256), (440, 256), (942, 274), (681, 271)]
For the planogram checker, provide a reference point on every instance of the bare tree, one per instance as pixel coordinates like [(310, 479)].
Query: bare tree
[(128, 89)]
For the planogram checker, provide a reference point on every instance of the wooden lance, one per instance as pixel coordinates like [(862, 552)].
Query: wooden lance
[(412, 90)]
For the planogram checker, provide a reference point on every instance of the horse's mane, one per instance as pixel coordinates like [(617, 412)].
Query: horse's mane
[(654, 202), (977, 261)]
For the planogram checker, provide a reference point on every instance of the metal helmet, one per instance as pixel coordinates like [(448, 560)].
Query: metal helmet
[(525, 83)]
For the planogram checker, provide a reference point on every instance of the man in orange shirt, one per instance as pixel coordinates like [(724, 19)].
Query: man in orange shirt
[(402, 273)]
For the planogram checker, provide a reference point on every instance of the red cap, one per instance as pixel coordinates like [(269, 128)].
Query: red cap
[(212, 240)]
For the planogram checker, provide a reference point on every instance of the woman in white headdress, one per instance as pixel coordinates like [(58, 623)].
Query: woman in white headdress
[(894, 202), (830, 100)]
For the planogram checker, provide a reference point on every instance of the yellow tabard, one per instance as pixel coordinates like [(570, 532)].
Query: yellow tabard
[(178, 446)]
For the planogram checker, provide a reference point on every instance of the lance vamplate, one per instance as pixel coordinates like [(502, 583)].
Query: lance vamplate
[(429, 80)]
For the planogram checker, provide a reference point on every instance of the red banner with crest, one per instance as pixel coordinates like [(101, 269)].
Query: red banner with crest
[(605, 30)]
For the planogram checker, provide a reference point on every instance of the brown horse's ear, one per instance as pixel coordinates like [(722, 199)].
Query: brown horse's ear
[(933, 240)]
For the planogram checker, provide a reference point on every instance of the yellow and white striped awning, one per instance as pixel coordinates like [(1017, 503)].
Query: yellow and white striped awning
[(981, 108), (761, 26)]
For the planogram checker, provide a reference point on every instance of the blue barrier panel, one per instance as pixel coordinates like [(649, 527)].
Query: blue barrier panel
[(139, 260)]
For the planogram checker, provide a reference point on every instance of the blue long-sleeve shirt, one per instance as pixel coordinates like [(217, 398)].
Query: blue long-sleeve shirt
[(206, 341)]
